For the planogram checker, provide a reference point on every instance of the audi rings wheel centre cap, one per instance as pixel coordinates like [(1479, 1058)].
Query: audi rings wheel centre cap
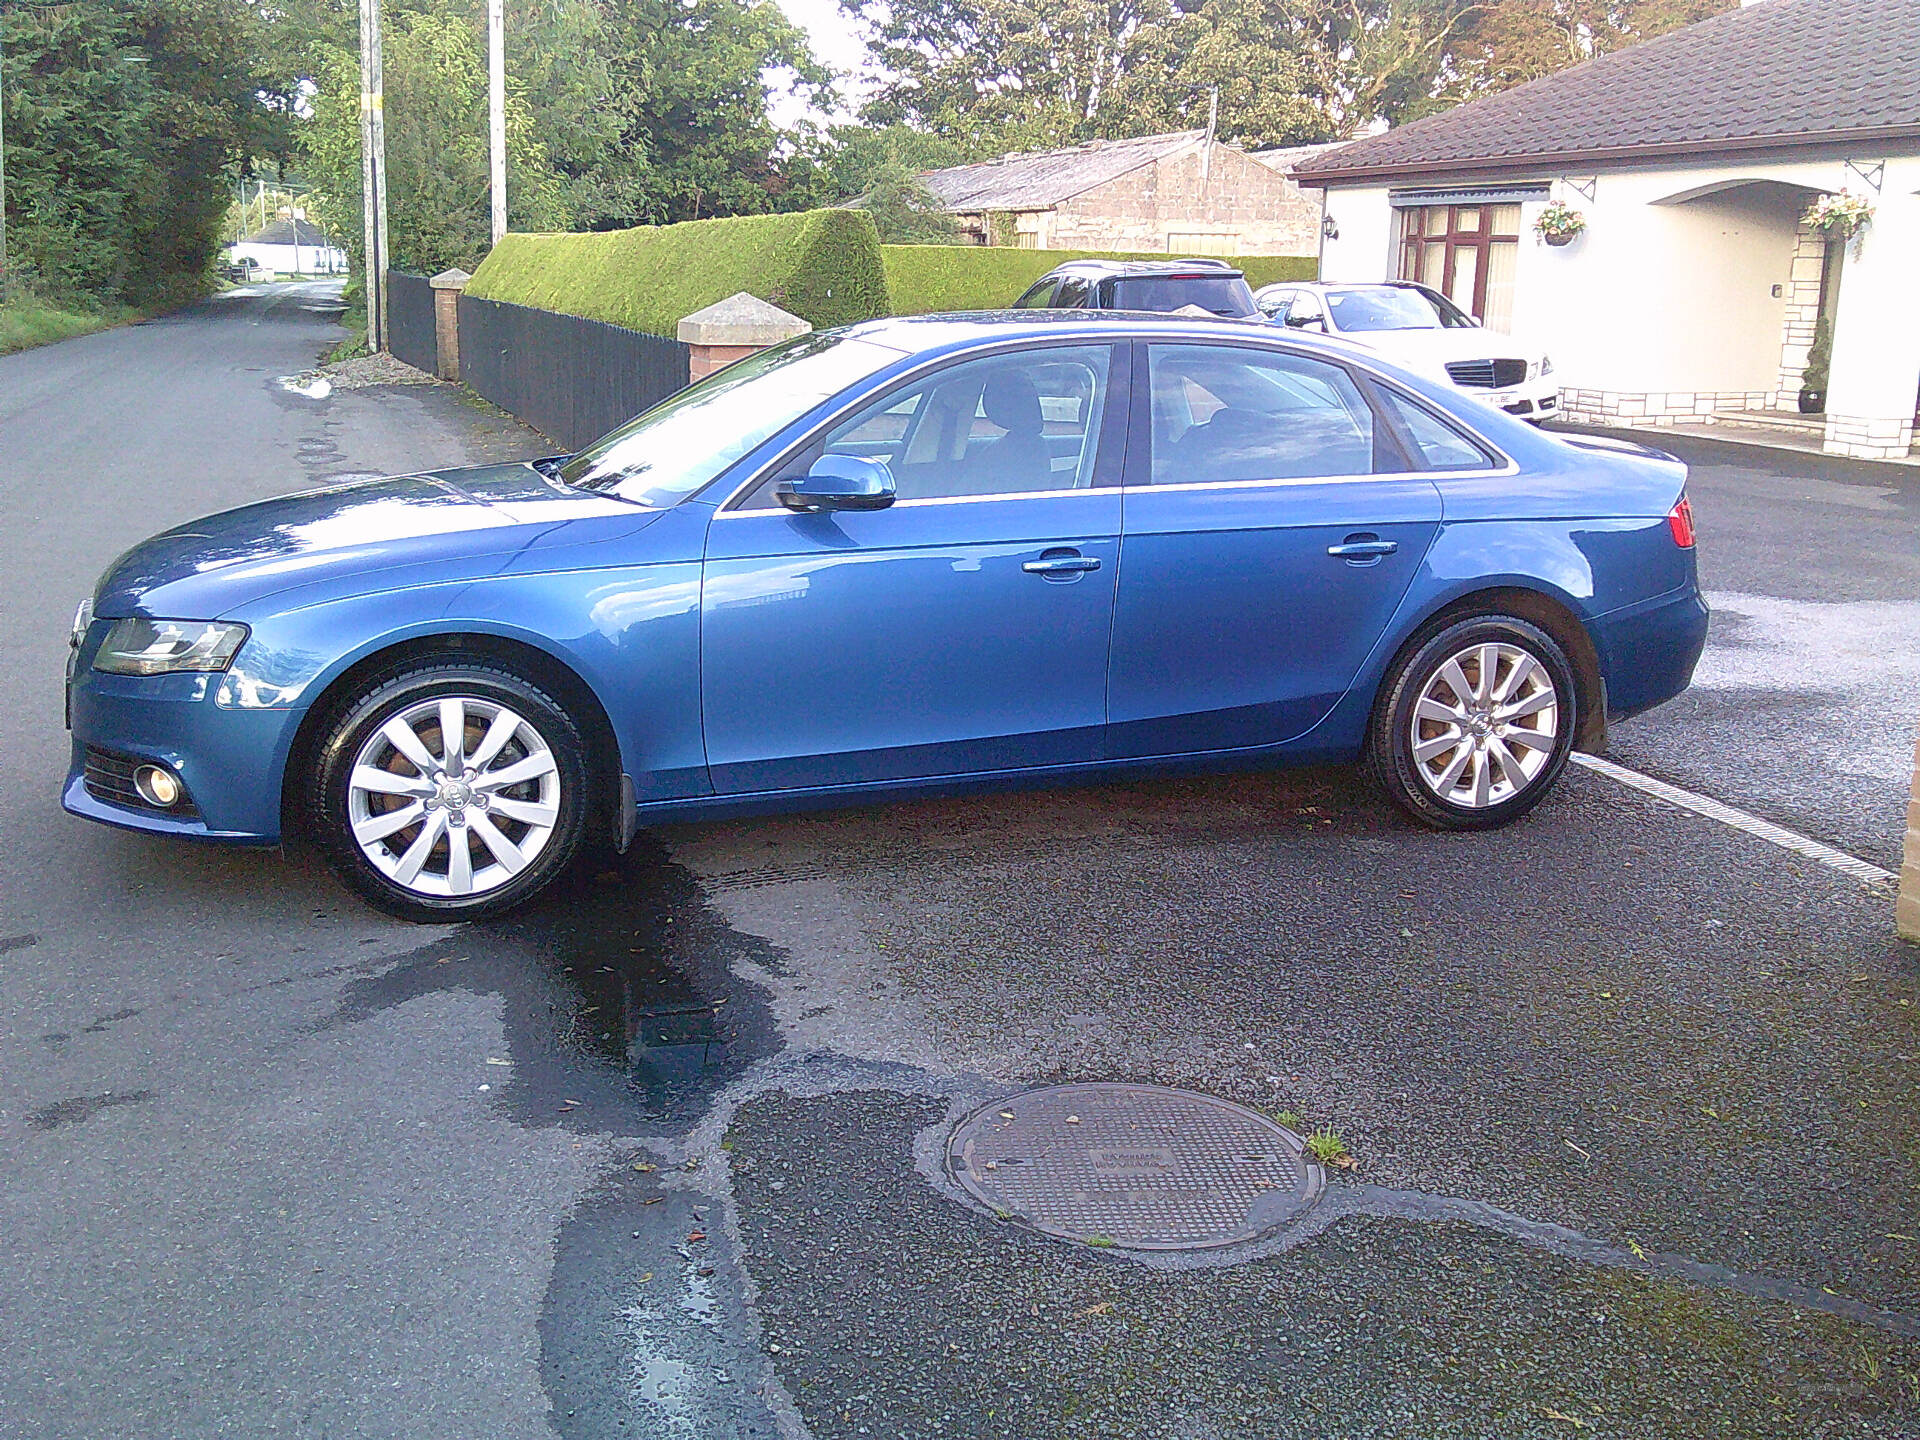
[(455, 794)]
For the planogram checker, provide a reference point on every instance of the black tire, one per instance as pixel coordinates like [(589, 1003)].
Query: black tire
[(1414, 783), (493, 693)]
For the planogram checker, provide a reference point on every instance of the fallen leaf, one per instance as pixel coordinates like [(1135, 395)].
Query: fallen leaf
[(653, 1200), (697, 1235), (646, 1277), (1102, 1308), (1073, 1119), (569, 1104), (1573, 1420), (644, 1168), (1006, 1114), (496, 1060)]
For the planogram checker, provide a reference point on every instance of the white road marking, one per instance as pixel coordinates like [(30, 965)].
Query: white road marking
[(1846, 864)]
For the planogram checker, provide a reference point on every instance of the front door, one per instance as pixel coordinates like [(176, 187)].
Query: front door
[(1266, 545), (962, 630)]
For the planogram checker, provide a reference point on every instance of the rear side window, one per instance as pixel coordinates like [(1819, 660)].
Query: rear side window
[(1436, 444), (1225, 413), (1224, 295)]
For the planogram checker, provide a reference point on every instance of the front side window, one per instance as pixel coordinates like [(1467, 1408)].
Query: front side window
[(1000, 425), (1039, 297), (686, 441), (1073, 292), (1228, 413)]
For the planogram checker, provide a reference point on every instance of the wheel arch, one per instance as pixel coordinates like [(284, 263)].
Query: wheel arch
[(1538, 607), (530, 662)]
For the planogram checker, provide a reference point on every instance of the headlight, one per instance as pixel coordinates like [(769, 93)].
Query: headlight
[(1546, 364), (82, 622), (167, 647)]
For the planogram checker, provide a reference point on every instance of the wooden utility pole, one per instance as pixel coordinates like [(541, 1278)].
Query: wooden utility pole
[(497, 111), (373, 173)]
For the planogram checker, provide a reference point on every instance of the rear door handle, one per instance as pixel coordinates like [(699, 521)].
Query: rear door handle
[(1061, 562), (1363, 547)]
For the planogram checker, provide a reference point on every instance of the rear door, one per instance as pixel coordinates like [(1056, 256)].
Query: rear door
[(1270, 531)]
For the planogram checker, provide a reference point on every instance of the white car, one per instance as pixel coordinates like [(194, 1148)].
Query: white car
[(1424, 331)]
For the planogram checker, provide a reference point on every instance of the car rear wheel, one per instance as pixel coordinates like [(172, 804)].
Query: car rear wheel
[(451, 792), (1475, 724)]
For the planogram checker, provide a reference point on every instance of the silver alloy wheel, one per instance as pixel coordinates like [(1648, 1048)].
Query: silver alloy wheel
[(1484, 727), (453, 796)]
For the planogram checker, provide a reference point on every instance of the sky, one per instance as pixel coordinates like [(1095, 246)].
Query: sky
[(834, 44)]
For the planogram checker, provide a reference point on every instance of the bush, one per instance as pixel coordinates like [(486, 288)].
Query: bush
[(822, 265), (927, 279)]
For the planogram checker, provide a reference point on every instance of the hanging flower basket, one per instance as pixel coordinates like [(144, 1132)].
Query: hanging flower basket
[(1839, 217), (1559, 224)]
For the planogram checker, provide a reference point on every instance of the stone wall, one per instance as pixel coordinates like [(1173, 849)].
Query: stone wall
[(1803, 311), (1672, 407), (1179, 204)]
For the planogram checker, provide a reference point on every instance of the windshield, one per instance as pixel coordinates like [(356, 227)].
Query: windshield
[(685, 441), (1226, 295), (1395, 307)]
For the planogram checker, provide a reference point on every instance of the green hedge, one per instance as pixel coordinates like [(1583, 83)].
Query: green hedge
[(927, 279), (823, 265)]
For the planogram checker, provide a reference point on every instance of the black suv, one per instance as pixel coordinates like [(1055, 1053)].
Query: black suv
[(1157, 286)]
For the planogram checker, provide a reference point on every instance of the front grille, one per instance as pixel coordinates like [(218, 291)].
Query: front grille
[(109, 779), (1487, 374)]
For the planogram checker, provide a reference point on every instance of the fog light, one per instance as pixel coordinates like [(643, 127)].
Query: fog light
[(158, 786)]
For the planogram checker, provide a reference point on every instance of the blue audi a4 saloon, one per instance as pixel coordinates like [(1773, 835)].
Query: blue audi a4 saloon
[(906, 557)]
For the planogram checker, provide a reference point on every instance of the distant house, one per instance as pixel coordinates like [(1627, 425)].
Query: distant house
[(1696, 287), (1178, 194), (291, 247)]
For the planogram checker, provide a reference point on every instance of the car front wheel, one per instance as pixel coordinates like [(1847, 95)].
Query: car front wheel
[(1475, 724), (450, 792)]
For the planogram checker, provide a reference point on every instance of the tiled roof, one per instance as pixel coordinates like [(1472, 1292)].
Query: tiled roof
[(1780, 74), (1290, 159), (1047, 177), (287, 232)]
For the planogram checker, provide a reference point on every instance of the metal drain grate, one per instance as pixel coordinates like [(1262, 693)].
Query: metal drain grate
[(1134, 1166)]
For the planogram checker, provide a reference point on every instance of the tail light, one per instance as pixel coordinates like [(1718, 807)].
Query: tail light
[(1680, 521)]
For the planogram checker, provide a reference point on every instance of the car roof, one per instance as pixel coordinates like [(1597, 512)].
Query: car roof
[(1342, 285), (1105, 268), (926, 335)]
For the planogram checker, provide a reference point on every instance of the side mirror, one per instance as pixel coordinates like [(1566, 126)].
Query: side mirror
[(839, 482), (1306, 322)]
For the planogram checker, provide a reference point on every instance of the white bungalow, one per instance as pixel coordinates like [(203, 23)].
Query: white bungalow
[(290, 247), (1693, 291)]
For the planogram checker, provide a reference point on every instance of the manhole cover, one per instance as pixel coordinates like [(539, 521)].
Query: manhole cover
[(1134, 1166)]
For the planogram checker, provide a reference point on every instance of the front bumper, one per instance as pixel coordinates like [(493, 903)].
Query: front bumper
[(230, 760), (1532, 400)]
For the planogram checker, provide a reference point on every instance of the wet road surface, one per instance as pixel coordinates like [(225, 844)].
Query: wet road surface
[(1633, 1095)]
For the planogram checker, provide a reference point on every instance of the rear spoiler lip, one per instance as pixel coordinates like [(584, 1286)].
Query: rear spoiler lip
[(1607, 444)]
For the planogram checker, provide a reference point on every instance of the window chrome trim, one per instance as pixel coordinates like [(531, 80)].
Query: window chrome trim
[(726, 509), (940, 500)]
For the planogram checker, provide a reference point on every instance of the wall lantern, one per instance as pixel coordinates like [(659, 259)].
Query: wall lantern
[(1328, 228)]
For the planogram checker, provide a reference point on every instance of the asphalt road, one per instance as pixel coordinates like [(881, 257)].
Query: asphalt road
[(1633, 1095)]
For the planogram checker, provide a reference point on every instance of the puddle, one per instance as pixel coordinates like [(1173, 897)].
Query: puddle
[(313, 386), (622, 1009)]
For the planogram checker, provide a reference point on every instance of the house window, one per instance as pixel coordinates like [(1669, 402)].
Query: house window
[(1467, 252)]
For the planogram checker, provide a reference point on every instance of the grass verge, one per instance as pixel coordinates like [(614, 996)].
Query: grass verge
[(26, 323)]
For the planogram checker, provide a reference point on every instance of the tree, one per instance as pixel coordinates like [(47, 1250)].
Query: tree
[(904, 211), (1509, 42), (120, 121)]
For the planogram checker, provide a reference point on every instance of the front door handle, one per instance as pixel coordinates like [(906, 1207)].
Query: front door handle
[(1363, 547), (1061, 562)]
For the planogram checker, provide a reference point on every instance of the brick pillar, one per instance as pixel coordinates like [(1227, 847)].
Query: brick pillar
[(732, 329), (1906, 910), (447, 286)]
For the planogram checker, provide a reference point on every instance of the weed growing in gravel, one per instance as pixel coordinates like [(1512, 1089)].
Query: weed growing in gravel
[(1328, 1148)]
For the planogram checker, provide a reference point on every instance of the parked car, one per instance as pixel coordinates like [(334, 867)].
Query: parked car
[(242, 268), (907, 557), (1420, 328), (1151, 286)]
